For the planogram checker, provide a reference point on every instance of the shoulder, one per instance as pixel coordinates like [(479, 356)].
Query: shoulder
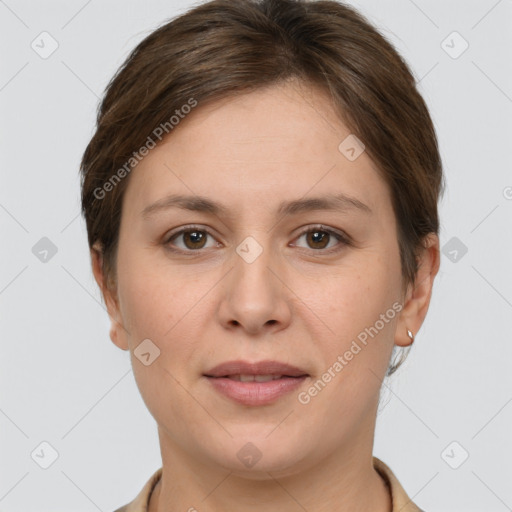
[(140, 502), (400, 499)]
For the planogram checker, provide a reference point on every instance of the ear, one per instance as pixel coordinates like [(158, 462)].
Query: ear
[(418, 296), (117, 331)]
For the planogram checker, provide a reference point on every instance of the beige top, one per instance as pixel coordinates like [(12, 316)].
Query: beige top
[(399, 498)]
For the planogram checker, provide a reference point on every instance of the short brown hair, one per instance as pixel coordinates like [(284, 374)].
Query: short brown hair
[(225, 47)]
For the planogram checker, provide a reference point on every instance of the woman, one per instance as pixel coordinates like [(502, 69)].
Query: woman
[(261, 197)]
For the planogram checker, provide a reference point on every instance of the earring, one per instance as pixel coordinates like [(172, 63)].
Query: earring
[(411, 335)]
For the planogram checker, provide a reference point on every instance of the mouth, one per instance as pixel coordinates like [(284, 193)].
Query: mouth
[(246, 371), (255, 384)]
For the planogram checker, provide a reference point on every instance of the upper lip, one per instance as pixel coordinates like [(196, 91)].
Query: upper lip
[(267, 367)]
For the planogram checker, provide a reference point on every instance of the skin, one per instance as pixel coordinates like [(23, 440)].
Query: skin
[(295, 303)]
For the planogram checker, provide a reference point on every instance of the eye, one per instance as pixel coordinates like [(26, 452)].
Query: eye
[(319, 237), (193, 238)]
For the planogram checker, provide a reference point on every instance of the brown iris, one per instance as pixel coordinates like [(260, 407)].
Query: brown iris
[(317, 236), (197, 237)]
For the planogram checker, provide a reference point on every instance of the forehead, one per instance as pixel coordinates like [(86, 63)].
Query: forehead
[(257, 149)]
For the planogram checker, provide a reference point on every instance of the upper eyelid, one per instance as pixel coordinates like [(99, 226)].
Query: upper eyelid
[(180, 231)]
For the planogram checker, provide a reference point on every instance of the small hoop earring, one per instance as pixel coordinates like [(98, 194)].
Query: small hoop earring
[(411, 335)]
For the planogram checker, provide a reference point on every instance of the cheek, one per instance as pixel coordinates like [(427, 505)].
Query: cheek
[(165, 304), (357, 306), (155, 297), (354, 296), (356, 350), (158, 304)]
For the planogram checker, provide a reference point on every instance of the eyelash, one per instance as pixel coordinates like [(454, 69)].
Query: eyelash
[(343, 238)]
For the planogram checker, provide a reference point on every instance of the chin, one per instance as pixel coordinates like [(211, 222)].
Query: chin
[(253, 457)]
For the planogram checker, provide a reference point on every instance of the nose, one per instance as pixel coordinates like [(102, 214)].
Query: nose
[(255, 297)]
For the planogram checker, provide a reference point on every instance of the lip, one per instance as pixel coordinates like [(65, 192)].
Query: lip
[(267, 367), (255, 393)]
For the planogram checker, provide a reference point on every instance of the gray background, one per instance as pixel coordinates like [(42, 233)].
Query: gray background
[(64, 382)]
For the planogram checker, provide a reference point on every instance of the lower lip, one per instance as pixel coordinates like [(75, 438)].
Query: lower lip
[(255, 393)]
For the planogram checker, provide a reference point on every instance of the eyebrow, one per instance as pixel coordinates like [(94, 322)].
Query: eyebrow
[(333, 202)]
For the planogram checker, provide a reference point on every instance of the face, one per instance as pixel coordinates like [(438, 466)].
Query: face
[(268, 276)]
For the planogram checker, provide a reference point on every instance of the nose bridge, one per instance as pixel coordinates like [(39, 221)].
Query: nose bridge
[(252, 261), (254, 297)]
